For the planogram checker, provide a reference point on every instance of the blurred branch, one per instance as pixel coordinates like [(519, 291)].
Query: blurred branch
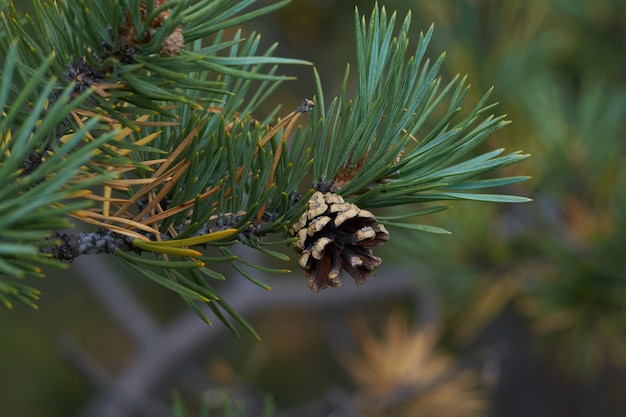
[(118, 299), (188, 334), (140, 404)]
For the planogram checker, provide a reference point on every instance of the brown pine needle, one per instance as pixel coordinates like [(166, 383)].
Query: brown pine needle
[(112, 200), (181, 207), (293, 116), (126, 183), (101, 88), (155, 181), (288, 119), (94, 218), (164, 191), (117, 229), (106, 202), (273, 131), (159, 173), (179, 150), (143, 141)]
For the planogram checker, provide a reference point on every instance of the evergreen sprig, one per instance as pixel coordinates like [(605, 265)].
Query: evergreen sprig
[(378, 145), (167, 123), (36, 201), (118, 46)]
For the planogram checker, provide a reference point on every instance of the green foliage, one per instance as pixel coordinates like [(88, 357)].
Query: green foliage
[(30, 209), (382, 137), (559, 70), (578, 306), (121, 47), (188, 161)]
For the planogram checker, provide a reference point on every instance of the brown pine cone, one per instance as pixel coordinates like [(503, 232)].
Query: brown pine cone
[(334, 236)]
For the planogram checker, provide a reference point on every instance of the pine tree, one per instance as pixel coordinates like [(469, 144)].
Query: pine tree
[(142, 120)]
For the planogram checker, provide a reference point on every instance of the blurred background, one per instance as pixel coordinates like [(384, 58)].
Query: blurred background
[(520, 312)]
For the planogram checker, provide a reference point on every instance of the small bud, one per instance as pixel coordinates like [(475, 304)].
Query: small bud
[(306, 106), (174, 44)]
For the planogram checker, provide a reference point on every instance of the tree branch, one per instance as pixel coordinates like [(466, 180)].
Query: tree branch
[(71, 246)]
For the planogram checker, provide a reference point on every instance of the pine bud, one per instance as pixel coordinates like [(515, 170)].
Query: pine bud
[(173, 44)]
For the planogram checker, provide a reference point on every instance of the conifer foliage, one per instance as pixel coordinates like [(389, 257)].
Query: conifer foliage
[(142, 120)]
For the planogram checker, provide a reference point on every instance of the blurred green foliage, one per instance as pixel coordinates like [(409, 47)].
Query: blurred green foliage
[(559, 263), (560, 72)]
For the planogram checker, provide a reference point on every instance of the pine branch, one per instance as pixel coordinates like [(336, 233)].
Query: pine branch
[(147, 128), (68, 247)]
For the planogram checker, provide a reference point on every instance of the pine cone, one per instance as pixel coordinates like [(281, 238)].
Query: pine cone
[(334, 235)]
